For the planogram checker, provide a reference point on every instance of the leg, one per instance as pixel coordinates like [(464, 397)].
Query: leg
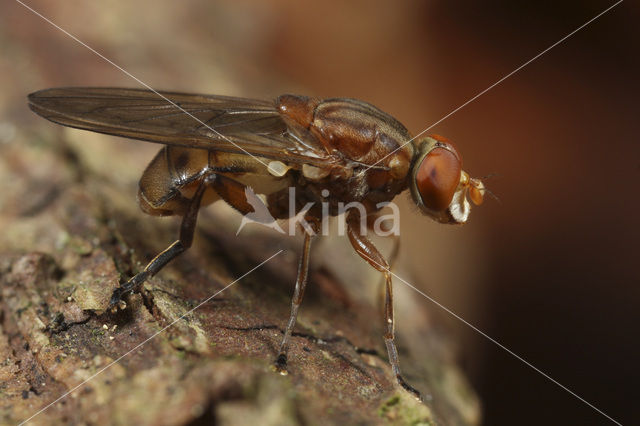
[(187, 229), (393, 256), (381, 290), (370, 253), (234, 194), (229, 190), (298, 294)]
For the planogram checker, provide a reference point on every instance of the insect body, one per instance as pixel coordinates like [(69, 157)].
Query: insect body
[(331, 151)]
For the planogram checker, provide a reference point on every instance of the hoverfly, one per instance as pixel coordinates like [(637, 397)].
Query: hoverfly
[(346, 146)]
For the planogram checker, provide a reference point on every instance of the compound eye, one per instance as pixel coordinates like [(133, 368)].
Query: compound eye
[(438, 177)]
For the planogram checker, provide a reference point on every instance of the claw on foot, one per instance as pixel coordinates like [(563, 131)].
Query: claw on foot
[(281, 364), (116, 303), (406, 386)]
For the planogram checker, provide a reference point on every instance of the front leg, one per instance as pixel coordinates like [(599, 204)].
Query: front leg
[(365, 248)]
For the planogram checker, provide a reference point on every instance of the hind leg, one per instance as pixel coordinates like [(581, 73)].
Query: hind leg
[(365, 249), (228, 189), (187, 229)]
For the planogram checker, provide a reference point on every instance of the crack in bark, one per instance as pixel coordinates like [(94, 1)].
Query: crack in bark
[(42, 199), (322, 341), (147, 301), (309, 337), (59, 325)]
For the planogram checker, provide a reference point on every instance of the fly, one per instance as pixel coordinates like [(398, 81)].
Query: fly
[(343, 147)]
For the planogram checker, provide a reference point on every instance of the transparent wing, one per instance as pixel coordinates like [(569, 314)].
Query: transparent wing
[(211, 122)]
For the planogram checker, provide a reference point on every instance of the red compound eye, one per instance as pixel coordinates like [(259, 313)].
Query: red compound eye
[(438, 177)]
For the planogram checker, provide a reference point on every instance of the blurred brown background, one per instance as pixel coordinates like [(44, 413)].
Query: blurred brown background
[(550, 271)]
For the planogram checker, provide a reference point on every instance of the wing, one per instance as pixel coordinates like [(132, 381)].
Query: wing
[(219, 123)]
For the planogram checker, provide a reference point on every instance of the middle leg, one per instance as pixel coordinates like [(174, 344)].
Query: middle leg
[(298, 294)]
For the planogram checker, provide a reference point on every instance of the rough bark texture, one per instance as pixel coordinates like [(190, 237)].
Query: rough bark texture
[(70, 234)]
